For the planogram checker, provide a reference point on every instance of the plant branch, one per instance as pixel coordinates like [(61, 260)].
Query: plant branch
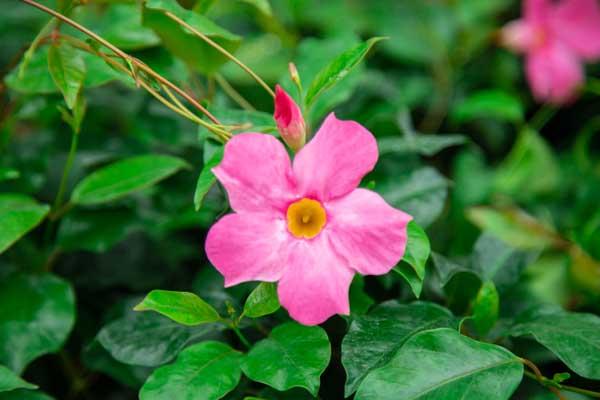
[(552, 385)]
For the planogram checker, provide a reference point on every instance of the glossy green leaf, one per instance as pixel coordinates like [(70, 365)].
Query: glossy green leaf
[(207, 179), (124, 177), (37, 314), (207, 370), (182, 43), (486, 308), (337, 69), (18, 215), (572, 337), (373, 339), (149, 339), (417, 248), (292, 356), (262, 300), (489, 104), (67, 69), (10, 381), (442, 364), (421, 194), (410, 276), (182, 307), (423, 144)]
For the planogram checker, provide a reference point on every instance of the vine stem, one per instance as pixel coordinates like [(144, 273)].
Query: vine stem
[(126, 57), (220, 49), (554, 387)]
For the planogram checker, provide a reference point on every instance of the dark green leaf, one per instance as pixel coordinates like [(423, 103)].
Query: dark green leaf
[(486, 308), (207, 370), (423, 144), (124, 177), (67, 69), (182, 307), (374, 339), (8, 174), (207, 179), (337, 69), (18, 215), (443, 364), (446, 268), (262, 5), (411, 277), (262, 300), (37, 314), (10, 381), (23, 394), (573, 337), (292, 356), (489, 104)]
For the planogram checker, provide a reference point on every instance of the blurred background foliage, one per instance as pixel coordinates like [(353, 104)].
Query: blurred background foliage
[(494, 178)]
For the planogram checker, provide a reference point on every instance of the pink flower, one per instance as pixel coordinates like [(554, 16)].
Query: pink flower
[(305, 225), (288, 117), (557, 37)]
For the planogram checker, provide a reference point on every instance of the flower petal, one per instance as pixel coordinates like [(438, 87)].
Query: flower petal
[(316, 281), (553, 73), (536, 11), (368, 232), (248, 247), (256, 172), (577, 24), (335, 160)]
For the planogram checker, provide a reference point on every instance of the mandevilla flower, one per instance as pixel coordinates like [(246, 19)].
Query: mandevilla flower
[(288, 117), (556, 36), (305, 225)]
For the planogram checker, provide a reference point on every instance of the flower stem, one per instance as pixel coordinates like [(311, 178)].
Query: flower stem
[(66, 171), (553, 386), (241, 336), (220, 49), (542, 116)]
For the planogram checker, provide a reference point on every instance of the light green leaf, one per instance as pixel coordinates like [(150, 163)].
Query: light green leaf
[(373, 339), (292, 356), (67, 69), (207, 370), (124, 177), (18, 215), (10, 381), (486, 308), (573, 337), (207, 179), (417, 249), (337, 69), (182, 307), (489, 104), (182, 43), (442, 364), (262, 300), (37, 314)]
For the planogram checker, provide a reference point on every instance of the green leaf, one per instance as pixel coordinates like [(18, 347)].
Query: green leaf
[(207, 179), (417, 249), (251, 121), (486, 308), (10, 381), (421, 194), (337, 69), (67, 69), (182, 307), (24, 394), (292, 356), (360, 302), (573, 337), (149, 339), (207, 370), (37, 314), (373, 339), (446, 269), (261, 5), (513, 227), (494, 104), (124, 177), (411, 277), (8, 174), (18, 215), (423, 144), (519, 175), (443, 364), (262, 301), (182, 43)]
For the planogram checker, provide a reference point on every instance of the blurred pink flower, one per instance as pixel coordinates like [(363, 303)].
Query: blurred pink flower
[(288, 117), (306, 224), (556, 37)]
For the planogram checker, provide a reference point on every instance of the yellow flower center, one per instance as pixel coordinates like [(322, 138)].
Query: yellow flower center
[(306, 218)]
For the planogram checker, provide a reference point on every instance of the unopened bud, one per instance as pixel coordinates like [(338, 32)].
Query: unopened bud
[(289, 120), (294, 74)]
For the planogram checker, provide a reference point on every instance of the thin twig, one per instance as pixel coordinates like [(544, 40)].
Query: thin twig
[(234, 94), (553, 386)]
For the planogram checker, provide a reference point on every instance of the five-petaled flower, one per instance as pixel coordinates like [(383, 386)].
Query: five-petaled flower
[(557, 37), (305, 225)]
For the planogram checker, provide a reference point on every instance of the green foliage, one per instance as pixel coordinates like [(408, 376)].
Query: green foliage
[(262, 301), (18, 215), (67, 69), (182, 307), (494, 104), (9, 381), (207, 179)]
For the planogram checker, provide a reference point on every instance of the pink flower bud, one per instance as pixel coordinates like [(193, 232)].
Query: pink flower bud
[(290, 122)]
